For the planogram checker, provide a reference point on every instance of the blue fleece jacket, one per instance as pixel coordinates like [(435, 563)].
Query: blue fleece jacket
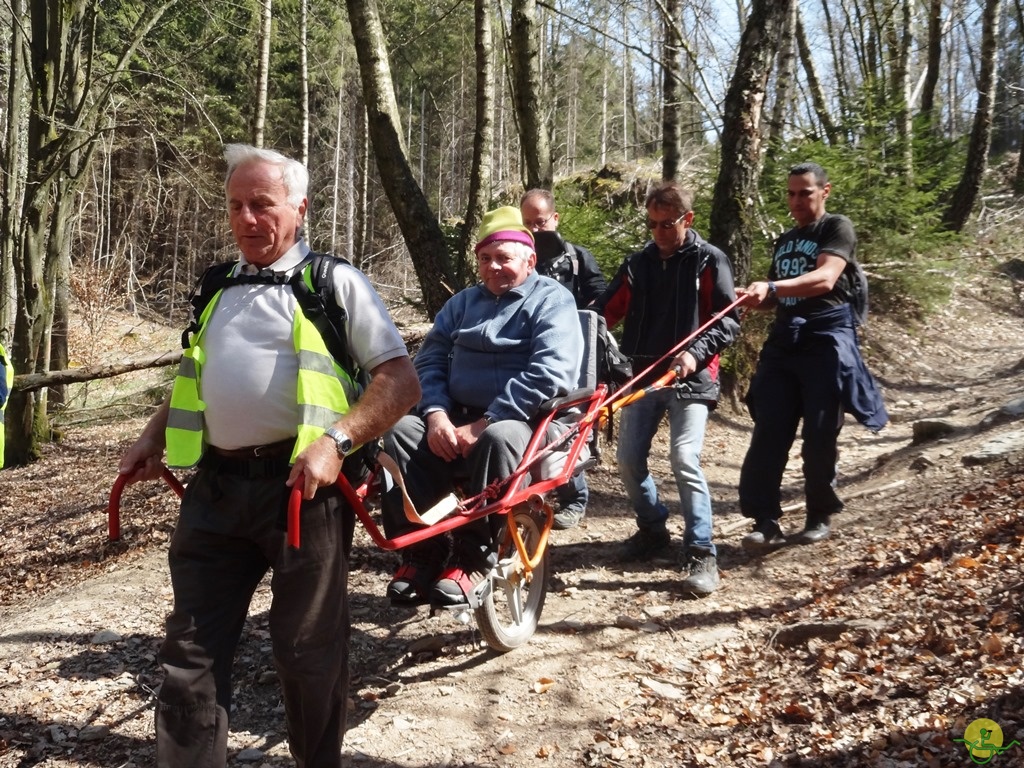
[(504, 355)]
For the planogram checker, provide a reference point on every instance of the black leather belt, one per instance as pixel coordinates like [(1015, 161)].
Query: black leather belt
[(254, 462), (269, 451)]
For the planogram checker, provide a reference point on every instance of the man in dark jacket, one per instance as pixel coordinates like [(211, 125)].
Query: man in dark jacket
[(810, 367), (664, 293), (575, 268)]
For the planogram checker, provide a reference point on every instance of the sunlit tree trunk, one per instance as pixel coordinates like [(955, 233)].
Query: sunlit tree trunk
[(785, 71), (304, 77), (671, 141), (259, 118), (483, 137), (933, 66), (66, 107), (528, 94), (732, 205), (419, 225), (12, 180), (966, 193), (821, 110)]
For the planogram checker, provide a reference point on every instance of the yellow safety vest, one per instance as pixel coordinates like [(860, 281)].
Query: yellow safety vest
[(324, 391), (3, 406)]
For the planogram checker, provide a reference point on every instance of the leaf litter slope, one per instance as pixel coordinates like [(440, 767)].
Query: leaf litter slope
[(878, 646)]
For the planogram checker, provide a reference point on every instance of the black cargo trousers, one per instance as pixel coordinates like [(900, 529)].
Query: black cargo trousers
[(230, 531)]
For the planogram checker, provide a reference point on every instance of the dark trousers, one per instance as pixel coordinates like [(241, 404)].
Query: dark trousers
[(790, 385), (429, 478), (229, 533)]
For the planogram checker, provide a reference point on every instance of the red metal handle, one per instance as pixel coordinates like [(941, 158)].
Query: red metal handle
[(114, 505), (294, 510)]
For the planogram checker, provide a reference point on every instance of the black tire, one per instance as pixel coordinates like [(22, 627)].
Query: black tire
[(501, 625)]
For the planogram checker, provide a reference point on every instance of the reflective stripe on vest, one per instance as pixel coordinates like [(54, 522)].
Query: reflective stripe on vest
[(324, 391)]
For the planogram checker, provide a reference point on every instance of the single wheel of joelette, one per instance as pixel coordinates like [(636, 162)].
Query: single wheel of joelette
[(509, 614)]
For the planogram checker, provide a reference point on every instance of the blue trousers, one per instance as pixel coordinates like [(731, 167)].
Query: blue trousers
[(687, 420)]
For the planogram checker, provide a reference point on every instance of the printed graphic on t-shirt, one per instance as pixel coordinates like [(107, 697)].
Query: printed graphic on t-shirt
[(794, 257)]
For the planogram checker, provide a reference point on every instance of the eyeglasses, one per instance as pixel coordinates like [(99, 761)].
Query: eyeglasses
[(652, 224), (539, 223)]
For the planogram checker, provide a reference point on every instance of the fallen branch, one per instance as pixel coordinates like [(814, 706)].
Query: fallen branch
[(29, 381)]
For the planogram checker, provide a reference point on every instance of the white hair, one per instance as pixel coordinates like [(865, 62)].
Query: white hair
[(522, 250), (293, 173)]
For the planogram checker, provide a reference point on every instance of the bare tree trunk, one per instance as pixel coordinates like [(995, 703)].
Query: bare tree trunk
[(259, 118), (934, 56), (966, 193), (671, 141), (12, 182), (736, 186), (422, 233), (785, 72), (832, 133), (304, 77), (483, 137), (900, 38), (61, 135), (361, 229), (527, 93)]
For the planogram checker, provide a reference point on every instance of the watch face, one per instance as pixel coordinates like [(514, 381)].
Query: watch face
[(342, 441)]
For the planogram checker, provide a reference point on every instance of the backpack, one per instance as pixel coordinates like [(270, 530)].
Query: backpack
[(557, 259), (603, 363), (317, 304), (857, 290)]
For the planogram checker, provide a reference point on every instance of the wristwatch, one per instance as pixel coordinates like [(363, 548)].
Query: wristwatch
[(342, 442), (771, 288)]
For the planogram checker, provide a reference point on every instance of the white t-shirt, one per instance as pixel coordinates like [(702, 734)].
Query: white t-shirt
[(249, 376)]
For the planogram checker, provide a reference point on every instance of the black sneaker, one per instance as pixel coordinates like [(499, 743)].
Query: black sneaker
[(646, 544), (816, 529), (767, 535), (702, 568), (568, 518), (421, 567)]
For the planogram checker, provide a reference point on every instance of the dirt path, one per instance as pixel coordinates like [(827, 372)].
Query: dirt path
[(876, 647)]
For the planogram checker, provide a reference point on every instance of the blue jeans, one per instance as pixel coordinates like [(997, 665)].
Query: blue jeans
[(637, 427), (574, 494)]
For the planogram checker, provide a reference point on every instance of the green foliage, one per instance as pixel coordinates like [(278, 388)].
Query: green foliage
[(900, 239)]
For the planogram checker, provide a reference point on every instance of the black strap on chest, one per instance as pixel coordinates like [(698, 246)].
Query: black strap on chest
[(317, 303)]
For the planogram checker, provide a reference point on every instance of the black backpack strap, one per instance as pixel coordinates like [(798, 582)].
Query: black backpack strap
[(317, 304), (212, 280), (320, 308)]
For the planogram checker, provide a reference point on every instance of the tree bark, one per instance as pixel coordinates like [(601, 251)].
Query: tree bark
[(832, 133), (483, 138), (933, 68), (28, 382), (739, 172), (671, 139), (423, 235), (259, 117), (785, 72), (966, 193), (528, 95), (60, 137)]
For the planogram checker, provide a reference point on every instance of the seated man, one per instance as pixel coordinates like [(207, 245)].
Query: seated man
[(496, 353)]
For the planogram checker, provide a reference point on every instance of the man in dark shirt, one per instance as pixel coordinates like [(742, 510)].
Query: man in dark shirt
[(809, 368), (663, 293), (575, 268)]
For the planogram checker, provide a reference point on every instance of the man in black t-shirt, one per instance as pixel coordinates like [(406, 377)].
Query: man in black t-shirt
[(810, 367)]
